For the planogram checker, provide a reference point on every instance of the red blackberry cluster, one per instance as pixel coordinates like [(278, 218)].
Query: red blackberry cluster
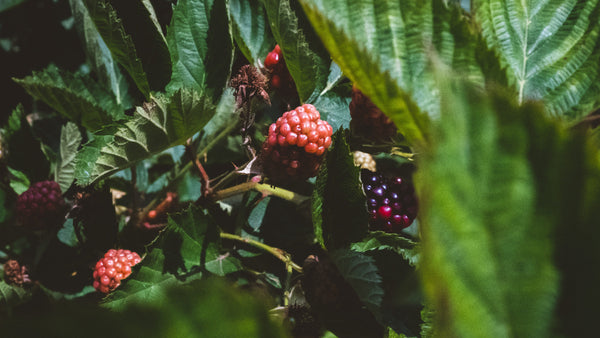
[(368, 121), (391, 201), (280, 76), (112, 268), (41, 206), (296, 144)]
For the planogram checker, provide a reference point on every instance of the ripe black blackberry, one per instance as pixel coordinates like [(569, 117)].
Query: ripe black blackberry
[(391, 201), (368, 121), (41, 206)]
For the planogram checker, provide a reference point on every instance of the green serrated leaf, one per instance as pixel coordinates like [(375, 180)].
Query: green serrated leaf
[(18, 181), (304, 54), (491, 200), (161, 124), (187, 249), (98, 55), (74, 96), (339, 208), (11, 295), (141, 24), (201, 46), (379, 240), (385, 49), (335, 109), (70, 139), (361, 273), (121, 45), (551, 50), (251, 29)]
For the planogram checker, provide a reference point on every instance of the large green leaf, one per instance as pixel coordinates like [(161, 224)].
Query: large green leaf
[(211, 308), (251, 29), (121, 45), (339, 210), (70, 139), (141, 23), (186, 250), (499, 180), (11, 295), (385, 47), (98, 55), (201, 46), (361, 273), (74, 96), (164, 122), (304, 54), (551, 50)]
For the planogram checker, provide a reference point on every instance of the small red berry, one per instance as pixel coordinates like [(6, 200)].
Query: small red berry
[(112, 268), (295, 144), (271, 60)]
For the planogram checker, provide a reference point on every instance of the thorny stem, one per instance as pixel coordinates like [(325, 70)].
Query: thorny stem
[(263, 188), (280, 254)]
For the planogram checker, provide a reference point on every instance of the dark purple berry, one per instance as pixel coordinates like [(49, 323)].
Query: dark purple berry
[(41, 206), (391, 202)]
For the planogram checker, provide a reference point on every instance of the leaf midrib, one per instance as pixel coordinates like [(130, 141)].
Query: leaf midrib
[(523, 74)]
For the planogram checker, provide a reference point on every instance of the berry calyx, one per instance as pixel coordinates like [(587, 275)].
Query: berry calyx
[(112, 268), (41, 206), (295, 144), (391, 201)]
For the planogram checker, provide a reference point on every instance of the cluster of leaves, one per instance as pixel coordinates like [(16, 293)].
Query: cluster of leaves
[(494, 108)]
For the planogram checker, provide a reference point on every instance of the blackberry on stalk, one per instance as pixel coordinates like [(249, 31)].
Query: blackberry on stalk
[(295, 145), (391, 201)]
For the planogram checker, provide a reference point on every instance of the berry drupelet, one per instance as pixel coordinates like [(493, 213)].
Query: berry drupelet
[(391, 201), (295, 145), (112, 268), (280, 76), (41, 206)]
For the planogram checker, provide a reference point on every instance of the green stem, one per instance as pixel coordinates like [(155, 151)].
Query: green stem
[(260, 187), (280, 254)]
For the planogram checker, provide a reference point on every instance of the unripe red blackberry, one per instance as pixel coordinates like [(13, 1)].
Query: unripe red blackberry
[(280, 76), (41, 206), (112, 268), (391, 201), (368, 121), (295, 145)]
